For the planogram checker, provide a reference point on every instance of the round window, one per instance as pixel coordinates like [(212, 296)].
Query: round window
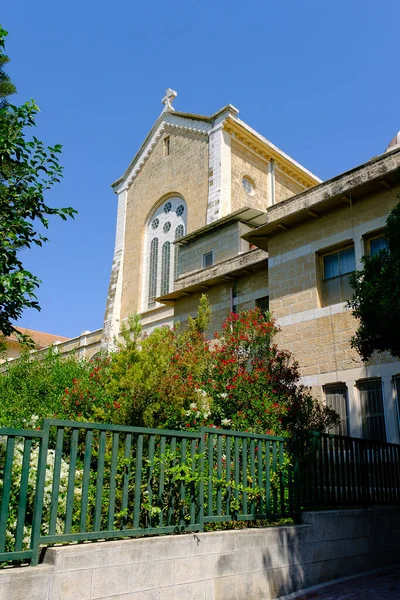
[(167, 227), (180, 210), (248, 185), (167, 207), (155, 223)]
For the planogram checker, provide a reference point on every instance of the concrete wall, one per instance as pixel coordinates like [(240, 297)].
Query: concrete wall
[(251, 564)]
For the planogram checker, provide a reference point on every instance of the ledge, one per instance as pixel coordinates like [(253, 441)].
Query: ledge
[(380, 173), (230, 269)]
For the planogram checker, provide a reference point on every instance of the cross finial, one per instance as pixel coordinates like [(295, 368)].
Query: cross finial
[(169, 97)]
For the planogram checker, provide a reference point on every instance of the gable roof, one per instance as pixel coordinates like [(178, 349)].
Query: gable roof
[(174, 119), (203, 125)]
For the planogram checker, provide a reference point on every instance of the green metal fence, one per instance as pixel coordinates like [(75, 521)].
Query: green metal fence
[(345, 471), (75, 481), (92, 481)]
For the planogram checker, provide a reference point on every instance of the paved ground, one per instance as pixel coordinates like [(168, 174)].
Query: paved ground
[(383, 585)]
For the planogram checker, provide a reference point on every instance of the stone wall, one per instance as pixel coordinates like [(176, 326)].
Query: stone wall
[(247, 288), (250, 564), (162, 175), (224, 242), (285, 186), (318, 335), (247, 163)]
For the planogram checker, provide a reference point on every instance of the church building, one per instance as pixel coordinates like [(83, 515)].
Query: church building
[(209, 205), (196, 185)]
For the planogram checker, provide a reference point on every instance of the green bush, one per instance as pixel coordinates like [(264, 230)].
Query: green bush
[(53, 386)]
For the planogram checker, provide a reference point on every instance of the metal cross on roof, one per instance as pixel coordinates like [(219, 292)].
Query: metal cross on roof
[(169, 97)]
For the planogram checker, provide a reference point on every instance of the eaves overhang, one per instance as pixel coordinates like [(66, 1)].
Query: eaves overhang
[(380, 173), (228, 270), (250, 216), (238, 128)]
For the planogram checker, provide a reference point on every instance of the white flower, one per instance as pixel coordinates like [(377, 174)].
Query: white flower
[(226, 421), (223, 395)]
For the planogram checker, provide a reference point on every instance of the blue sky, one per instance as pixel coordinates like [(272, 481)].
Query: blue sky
[(319, 79)]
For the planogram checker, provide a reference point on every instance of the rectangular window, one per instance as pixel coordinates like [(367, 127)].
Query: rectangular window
[(208, 259), (263, 304), (372, 415), (336, 398), (397, 386), (375, 244), (337, 267), (167, 145)]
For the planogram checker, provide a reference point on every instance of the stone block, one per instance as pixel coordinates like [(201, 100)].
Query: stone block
[(24, 583), (71, 585), (225, 588), (211, 543), (187, 591), (231, 563), (195, 568), (253, 586), (111, 581), (156, 574), (145, 595), (70, 558)]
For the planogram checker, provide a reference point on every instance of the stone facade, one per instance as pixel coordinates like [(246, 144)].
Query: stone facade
[(162, 176), (224, 242), (299, 233), (203, 160), (246, 163)]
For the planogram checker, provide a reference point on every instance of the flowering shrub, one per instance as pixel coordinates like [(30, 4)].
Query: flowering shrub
[(241, 380), (172, 378)]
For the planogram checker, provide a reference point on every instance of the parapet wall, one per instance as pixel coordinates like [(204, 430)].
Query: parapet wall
[(248, 564)]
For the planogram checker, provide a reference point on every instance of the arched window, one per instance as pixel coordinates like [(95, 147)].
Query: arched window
[(153, 264), (179, 232), (165, 225), (165, 267)]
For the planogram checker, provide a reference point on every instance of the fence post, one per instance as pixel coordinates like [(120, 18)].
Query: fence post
[(202, 449), (39, 494), (296, 475)]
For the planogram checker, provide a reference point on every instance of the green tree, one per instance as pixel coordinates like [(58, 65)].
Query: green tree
[(376, 299), (6, 86), (27, 170)]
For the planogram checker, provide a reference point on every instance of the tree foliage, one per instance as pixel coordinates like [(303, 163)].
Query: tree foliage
[(28, 169), (7, 88), (376, 299)]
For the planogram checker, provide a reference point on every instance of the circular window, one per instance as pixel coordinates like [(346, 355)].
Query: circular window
[(180, 210), (248, 185), (155, 223), (167, 227), (167, 207)]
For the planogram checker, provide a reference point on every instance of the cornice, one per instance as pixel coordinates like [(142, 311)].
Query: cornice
[(267, 153)]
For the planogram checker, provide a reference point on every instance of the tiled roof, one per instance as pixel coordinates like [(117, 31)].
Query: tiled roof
[(41, 339)]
